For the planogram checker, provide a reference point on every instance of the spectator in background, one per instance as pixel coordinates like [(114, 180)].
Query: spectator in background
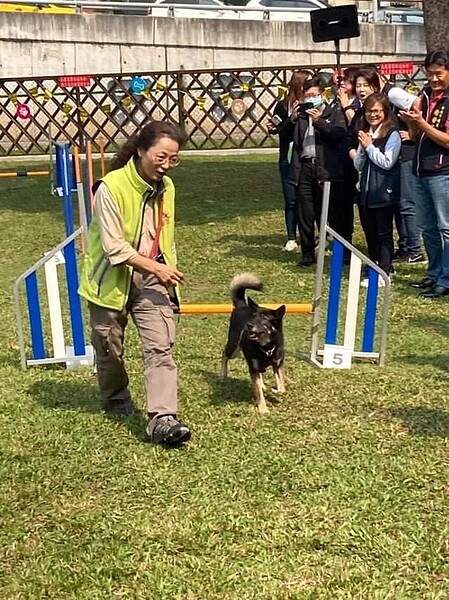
[(280, 124), (318, 132), (429, 125), (368, 81), (377, 160), (343, 216)]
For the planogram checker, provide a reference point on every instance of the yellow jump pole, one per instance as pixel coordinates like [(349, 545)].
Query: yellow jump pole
[(226, 309), (25, 174)]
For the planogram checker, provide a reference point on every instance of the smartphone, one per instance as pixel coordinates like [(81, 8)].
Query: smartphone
[(302, 108), (276, 120)]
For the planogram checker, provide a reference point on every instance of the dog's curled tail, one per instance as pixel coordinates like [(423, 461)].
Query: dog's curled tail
[(242, 282)]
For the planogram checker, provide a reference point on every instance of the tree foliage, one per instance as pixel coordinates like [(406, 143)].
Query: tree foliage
[(436, 23)]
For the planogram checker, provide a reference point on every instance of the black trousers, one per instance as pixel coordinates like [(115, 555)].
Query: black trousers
[(309, 194), (377, 224)]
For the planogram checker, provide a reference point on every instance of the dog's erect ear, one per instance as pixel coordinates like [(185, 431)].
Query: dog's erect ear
[(280, 312), (252, 304)]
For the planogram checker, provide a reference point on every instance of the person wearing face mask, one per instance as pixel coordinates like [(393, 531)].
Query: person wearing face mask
[(377, 160), (130, 270), (318, 132)]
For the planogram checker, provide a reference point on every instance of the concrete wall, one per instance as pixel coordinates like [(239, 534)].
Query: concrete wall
[(46, 44)]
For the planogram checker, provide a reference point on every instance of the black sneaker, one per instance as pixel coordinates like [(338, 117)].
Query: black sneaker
[(307, 261), (120, 408), (416, 258), (400, 255), (423, 284), (169, 431)]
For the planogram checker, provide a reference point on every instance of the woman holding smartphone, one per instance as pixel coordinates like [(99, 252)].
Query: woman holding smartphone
[(377, 160), (281, 123)]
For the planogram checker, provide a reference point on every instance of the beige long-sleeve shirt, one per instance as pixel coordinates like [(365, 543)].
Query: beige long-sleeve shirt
[(115, 247)]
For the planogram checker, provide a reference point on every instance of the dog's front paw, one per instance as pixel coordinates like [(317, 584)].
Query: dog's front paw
[(277, 391), (263, 410)]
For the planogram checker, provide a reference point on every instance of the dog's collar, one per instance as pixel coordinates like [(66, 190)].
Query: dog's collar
[(268, 352)]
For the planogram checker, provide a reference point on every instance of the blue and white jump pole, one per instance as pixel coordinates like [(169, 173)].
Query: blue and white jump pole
[(64, 253), (340, 355)]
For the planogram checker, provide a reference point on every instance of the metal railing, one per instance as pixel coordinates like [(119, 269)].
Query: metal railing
[(377, 14)]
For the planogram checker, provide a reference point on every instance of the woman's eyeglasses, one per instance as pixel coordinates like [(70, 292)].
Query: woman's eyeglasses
[(160, 160), (374, 113)]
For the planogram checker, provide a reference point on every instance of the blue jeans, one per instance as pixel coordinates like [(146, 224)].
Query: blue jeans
[(291, 220), (405, 214), (432, 216)]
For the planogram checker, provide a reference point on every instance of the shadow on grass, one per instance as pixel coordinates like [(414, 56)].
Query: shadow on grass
[(81, 397), (421, 421), (432, 323), (439, 361), (234, 390)]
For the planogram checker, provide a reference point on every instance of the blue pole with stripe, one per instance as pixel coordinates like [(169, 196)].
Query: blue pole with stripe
[(369, 325), (333, 307), (64, 181), (35, 317), (76, 316)]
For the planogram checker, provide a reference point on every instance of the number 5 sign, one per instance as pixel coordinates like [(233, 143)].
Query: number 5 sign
[(337, 357)]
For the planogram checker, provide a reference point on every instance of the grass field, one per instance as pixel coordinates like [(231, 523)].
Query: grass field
[(341, 493)]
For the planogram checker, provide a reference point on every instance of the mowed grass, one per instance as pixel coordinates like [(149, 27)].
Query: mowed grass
[(340, 493)]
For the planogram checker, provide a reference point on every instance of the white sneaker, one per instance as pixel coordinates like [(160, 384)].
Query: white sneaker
[(290, 246), (380, 282)]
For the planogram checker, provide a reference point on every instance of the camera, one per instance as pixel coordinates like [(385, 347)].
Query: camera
[(305, 106)]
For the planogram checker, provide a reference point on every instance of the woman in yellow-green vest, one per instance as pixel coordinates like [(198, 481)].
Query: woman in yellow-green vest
[(130, 269)]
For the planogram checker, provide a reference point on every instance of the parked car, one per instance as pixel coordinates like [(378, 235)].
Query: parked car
[(41, 7), (396, 16), (303, 15)]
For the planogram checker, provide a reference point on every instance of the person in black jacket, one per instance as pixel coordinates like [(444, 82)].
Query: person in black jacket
[(318, 131), (279, 124), (377, 160)]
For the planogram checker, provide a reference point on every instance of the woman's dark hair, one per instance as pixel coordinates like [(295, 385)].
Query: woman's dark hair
[(387, 124), (296, 86), (314, 82), (437, 57), (350, 74), (145, 139), (371, 76)]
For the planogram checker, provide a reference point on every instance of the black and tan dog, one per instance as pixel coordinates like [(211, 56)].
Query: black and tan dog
[(257, 332)]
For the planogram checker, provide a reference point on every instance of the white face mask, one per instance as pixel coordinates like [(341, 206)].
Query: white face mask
[(317, 101)]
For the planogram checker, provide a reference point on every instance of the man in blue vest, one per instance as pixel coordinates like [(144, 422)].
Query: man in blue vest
[(429, 126)]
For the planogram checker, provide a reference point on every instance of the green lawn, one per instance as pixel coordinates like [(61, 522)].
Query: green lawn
[(341, 493)]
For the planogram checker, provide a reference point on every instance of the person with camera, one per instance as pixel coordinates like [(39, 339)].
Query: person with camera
[(318, 132), (280, 124), (130, 270)]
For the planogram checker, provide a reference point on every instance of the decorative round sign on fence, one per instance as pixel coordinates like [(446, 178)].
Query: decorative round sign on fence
[(238, 107), (23, 111), (137, 85)]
